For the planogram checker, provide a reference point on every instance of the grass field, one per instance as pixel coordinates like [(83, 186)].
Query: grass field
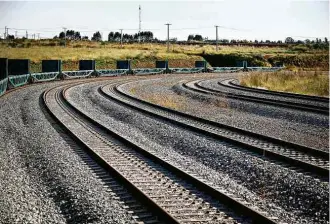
[(310, 83), (145, 54)]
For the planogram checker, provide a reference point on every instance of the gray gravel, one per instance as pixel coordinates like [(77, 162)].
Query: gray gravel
[(311, 119), (43, 180), (305, 129), (292, 197)]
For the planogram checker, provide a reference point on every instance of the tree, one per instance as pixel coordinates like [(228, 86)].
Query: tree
[(10, 37), (97, 36), (77, 36), (84, 38), (70, 34), (190, 37), (111, 36), (117, 36), (326, 40), (61, 35), (198, 37), (289, 40), (307, 41)]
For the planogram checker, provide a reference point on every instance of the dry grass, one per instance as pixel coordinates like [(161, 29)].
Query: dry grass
[(166, 101), (144, 55), (76, 50), (310, 83)]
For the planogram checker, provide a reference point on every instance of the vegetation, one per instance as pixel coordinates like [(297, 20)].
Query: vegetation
[(144, 54), (310, 83), (196, 37)]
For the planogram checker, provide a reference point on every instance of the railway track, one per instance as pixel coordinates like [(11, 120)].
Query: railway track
[(140, 212), (197, 87), (301, 101), (307, 160), (174, 195), (233, 84)]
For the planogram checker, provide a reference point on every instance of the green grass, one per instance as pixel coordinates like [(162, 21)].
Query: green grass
[(302, 82)]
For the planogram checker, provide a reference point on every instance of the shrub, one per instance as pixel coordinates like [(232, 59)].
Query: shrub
[(62, 43)]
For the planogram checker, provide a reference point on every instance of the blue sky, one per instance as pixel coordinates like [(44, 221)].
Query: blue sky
[(252, 19)]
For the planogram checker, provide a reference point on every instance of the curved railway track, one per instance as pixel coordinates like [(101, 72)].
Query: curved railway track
[(174, 195), (300, 102), (197, 87), (308, 160), (232, 84)]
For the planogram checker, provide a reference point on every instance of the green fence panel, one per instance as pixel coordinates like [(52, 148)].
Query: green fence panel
[(264, 69), (77, 74), (3, 86), (186, 70), (18, 80), (226, 69), (112, 72), (45, 76), (148, 71)]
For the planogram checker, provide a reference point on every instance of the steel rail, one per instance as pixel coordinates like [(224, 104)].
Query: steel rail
[(238, 205), (102, 162), (210, 128), (307, 103), (284, 94), (202, 89)]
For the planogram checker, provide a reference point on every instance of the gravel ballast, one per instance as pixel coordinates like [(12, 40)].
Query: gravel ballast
[(43, 180), (293, 197), (301, 128)]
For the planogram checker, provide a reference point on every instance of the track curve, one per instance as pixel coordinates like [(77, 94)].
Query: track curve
[(180, 218)]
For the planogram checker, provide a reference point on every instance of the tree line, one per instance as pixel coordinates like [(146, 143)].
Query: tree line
[(148, 36), (144, 36)]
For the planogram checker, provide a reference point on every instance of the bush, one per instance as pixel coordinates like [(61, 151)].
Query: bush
[(27, 45), (51, 44), (299, 48), (62, 43), (13, 44)]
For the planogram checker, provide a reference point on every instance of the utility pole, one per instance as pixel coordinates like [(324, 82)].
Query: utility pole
[(64, 29), (5, 32), (139, 23), (216, 37), (121, 37), (27, 35), (15, 34), (168, 36)]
